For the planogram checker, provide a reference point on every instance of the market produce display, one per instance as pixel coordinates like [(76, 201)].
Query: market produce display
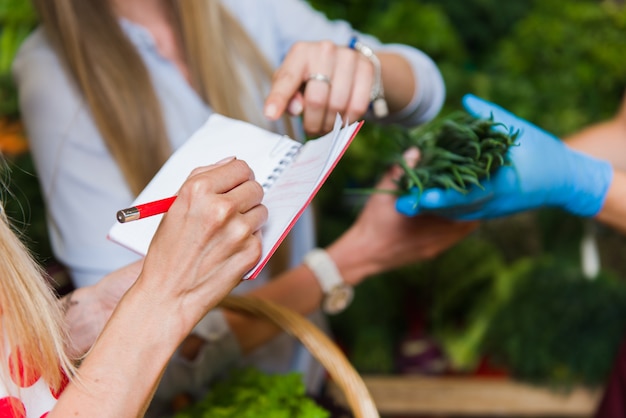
[(249, 393)]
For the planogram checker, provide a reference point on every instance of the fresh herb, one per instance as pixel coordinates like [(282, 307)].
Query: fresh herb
[(456, 152), (249, 393)]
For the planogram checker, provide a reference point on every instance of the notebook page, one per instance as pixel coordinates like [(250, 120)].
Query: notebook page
[(220, 137), (298, 184)]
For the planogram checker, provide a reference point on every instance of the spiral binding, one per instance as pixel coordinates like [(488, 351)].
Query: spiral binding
[(282, 164)]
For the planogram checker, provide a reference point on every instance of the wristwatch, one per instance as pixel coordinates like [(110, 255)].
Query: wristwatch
[(337, 293)]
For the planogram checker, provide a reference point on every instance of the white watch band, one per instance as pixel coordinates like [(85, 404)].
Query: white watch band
[(324, 268), (337, 293)]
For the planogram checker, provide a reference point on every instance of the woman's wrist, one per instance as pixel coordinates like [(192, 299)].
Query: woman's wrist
[(168, 320), (398, 79), (378, 102), (352, 258), (613, 211)]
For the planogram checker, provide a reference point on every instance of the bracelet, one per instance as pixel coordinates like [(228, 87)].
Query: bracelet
[(377, 95)]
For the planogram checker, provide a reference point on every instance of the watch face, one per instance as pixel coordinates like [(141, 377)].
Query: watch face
[(337, 299)]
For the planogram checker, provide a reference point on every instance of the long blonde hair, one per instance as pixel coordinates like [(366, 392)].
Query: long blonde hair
[(116, 84), (31, 319)]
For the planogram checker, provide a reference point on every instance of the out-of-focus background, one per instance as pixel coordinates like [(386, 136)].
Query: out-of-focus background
[(512, 299)]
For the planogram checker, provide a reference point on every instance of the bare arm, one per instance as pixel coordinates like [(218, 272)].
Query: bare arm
[(605, 140), (613, 213), (193, 262), (398, 80), (381, 239)]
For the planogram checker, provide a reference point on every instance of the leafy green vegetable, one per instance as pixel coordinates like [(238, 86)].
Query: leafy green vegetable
[(249, 393), (462, 293), (17, 20), (557, 327), (456, 151)]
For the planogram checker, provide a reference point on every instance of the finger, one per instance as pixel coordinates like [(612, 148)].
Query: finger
[(246, 196), (203, 169), (286, 82), (361, 91), (390, 180), (296, 105), (316, 97), (221, 178), (249, 231), (257, 217), (411, 156), (408, 204), (439, 199), (344, 74), (317, 93)]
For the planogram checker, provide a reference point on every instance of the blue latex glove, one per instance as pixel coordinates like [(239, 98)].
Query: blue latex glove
[(543, 172)]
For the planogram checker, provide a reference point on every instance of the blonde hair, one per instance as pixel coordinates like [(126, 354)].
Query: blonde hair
[(117, 86), (32, 321)]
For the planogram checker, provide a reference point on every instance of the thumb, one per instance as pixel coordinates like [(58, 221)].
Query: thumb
[(409, 203), (390, 180)]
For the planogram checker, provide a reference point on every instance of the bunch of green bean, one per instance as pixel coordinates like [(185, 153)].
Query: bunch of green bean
[(456, 152)]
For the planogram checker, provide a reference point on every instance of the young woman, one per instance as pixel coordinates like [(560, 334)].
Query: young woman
[(109, 88)]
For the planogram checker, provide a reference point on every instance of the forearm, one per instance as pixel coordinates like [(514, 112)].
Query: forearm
[(413, 85), (613, 212), (125, 363), (380, 240), (605, 140), (298, 290)]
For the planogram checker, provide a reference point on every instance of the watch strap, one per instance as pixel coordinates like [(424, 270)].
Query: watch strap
[(324, 269)]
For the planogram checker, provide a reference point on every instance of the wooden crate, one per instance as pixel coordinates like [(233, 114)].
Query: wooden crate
[(473, 397)]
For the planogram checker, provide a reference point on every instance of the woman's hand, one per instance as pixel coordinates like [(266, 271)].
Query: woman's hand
[(234, 215), (88, 309), (204, 245), (319, 80), (381, 239), (207, 241)]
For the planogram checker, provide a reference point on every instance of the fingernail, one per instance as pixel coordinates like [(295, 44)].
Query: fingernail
[(224, 160), (270, 111), (295, 107)]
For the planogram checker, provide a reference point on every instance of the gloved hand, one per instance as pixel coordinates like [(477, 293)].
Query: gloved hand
[(543, 172)]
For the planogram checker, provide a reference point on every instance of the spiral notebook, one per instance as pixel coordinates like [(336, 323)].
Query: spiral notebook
[(291, 174)]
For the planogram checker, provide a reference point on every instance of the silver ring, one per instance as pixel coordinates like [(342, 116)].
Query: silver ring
[(319, 77)]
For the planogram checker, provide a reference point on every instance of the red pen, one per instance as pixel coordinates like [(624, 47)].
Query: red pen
[(144, 210)]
